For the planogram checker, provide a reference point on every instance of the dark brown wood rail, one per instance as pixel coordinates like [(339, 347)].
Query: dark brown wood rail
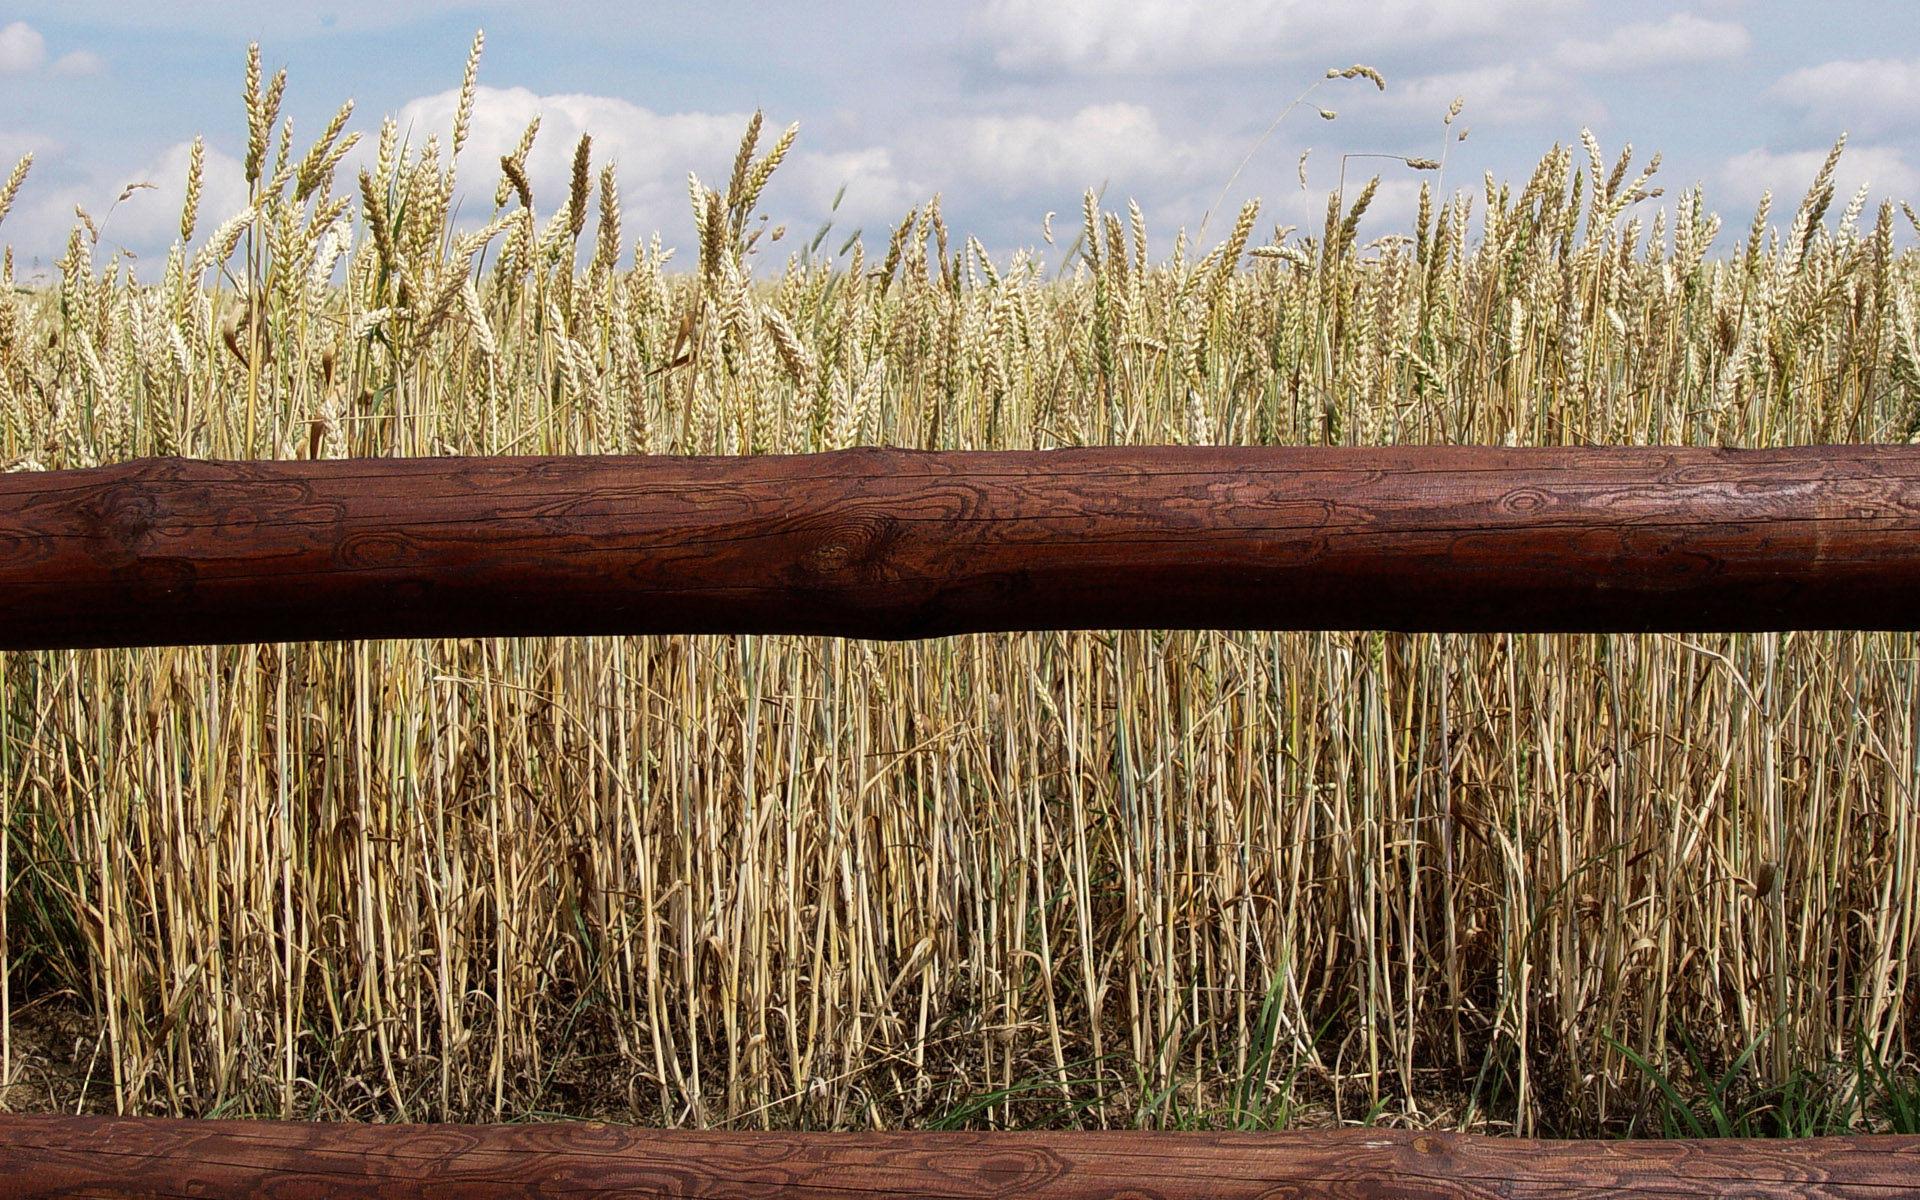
[(48, 1156), (904, 544)]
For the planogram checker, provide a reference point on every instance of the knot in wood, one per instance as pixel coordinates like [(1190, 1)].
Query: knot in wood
[(120, 523), (1525, 500), (377, 548), (848, 542)]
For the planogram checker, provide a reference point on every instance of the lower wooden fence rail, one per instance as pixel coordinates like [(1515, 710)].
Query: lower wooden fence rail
[(126, 1158), (900, 544)]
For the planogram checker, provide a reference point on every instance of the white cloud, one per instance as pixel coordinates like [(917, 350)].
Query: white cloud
[(1017, 155), (1100, 36), (653, 153), (150, 218), (78, 62), (22, 49), (23, 52), (654, 150), (1681, 38), (145, 223), (878, 191), (1787, 175), (971, 159), (1502, 94), (1870, 94)]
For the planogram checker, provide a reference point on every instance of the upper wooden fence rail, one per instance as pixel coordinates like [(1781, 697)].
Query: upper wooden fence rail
[(903, 544), (217, 1160)]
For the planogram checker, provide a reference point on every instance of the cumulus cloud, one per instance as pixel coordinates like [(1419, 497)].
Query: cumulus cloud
[(1787, 175), (654, 150), (1100, 36), (1867, 95), (150, 218), (22, 49), (1016, 155), (23, 52), (79, 62), (1501, 94), (653, 153), (879, 189), (144, 224), (975, 161), (1680, 39)]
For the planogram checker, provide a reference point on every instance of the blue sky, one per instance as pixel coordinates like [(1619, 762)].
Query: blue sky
[(1008, 108)]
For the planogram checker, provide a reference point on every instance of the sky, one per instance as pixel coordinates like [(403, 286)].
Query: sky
[(1008, 109)]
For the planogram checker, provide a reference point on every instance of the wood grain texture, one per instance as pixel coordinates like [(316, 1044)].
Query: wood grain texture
[(55, 1156), (905, 544)]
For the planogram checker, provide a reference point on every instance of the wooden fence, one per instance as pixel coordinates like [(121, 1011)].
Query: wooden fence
[(898, 544)]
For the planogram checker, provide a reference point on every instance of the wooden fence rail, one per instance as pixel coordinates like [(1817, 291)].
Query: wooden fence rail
[(902, 544), (43, 1156)]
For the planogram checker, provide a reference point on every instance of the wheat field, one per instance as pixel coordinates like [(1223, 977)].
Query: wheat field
[(1533, 884)]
